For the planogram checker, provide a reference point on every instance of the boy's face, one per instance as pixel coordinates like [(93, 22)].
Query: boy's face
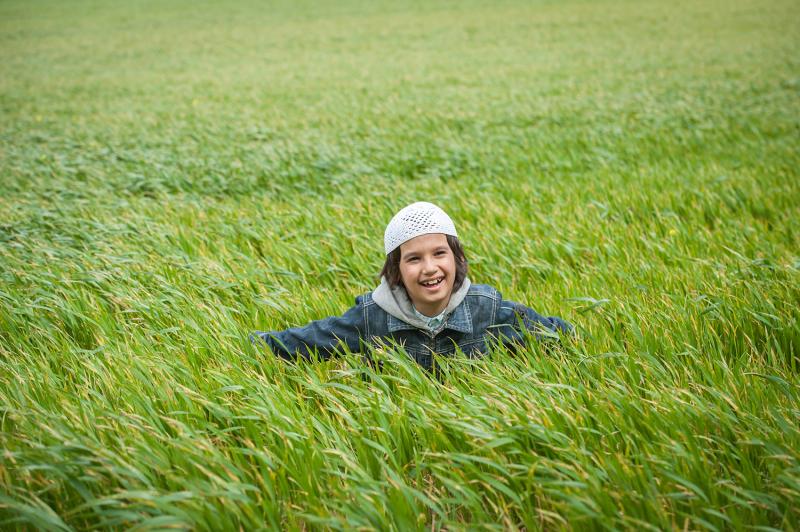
[(428, 271)]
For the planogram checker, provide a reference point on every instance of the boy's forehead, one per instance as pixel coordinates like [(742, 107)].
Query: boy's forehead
[(423, 242)]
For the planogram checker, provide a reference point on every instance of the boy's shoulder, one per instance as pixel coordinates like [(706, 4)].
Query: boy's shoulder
[(365, 300), (483, 290)]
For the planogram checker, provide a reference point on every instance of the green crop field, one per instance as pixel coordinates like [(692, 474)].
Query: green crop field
[(176, 174)]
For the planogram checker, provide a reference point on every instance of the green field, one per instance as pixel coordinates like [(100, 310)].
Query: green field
[(174, 175)]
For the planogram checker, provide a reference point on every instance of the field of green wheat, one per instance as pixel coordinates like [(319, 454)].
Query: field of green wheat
[(175, 175)]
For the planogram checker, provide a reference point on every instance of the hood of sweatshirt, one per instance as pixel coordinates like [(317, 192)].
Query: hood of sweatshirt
[(396, 302)]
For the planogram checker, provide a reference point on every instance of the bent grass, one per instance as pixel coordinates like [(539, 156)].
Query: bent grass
[(173, 178)]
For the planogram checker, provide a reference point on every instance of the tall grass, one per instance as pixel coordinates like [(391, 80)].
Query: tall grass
[(176, 175)]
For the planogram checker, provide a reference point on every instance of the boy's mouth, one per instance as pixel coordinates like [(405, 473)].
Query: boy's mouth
[(430, 283)]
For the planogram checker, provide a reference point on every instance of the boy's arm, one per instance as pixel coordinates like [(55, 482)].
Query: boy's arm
[(322, 336), (513, 314)]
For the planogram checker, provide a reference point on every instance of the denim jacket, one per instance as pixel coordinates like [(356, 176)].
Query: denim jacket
[(481, 319)]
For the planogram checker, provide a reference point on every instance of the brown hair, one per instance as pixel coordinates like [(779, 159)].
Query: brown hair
[(391, 268)]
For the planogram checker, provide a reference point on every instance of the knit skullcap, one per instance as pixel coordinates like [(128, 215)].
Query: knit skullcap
[(420, 218)]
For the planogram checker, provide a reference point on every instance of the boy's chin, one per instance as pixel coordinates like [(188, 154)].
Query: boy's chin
[(433, 299)]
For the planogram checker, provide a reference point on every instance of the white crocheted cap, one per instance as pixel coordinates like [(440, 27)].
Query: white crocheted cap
[(420, 218)]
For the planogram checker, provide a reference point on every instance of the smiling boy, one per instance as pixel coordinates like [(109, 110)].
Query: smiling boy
[(427, 271), (425, 302)]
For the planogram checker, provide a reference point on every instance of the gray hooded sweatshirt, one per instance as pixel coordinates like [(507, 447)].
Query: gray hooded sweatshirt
[(396, 302)]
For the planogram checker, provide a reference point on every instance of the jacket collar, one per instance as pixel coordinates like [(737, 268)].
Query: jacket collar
[(460, 320), (396, 304)]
